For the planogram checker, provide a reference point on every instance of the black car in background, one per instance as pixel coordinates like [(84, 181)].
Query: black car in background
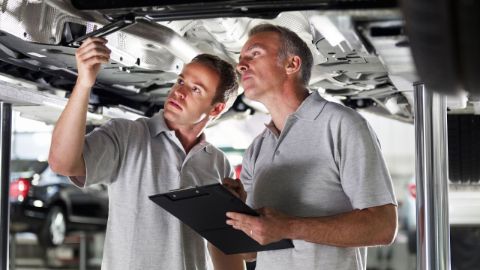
[(48, 205)]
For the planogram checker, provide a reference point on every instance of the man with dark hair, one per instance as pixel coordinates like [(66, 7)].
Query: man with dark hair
[(315, 173), (145, 157), (228, 84)]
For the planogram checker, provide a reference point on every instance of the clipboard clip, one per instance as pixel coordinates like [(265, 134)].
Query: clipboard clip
[(186, 193)]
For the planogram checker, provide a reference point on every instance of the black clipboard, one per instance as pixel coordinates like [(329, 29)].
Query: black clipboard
[(203, 209)]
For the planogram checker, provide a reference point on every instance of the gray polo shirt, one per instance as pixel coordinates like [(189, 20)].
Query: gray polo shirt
[(141, 158), (326, 161)]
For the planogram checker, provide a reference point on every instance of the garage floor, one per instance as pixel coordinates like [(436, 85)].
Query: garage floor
[(394, 257), (29, 256)]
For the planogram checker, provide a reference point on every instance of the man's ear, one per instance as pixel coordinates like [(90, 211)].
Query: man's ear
[(294, 64), (217, 109)]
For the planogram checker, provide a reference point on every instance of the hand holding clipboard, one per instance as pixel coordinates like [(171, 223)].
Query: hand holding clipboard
[(204, 210)]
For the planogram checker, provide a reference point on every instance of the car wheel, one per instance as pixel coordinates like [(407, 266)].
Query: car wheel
[(54, 229), (412, 241)]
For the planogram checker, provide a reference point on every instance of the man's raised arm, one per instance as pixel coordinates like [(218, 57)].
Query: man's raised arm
[(68, 136)]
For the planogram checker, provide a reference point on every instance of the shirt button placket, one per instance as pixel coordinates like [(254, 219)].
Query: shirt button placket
[(276, 154), (180, 164)]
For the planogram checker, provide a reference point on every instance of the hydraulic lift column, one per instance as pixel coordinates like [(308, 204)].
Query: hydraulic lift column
[(433, 231), (5, 140)]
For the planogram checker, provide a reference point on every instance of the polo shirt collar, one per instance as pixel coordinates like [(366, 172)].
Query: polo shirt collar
[(311, 107), (158, 125), (272, 128), (309, 110)]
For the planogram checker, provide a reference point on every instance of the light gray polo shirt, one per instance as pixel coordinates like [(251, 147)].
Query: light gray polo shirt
[(326, 161), (141, 158)]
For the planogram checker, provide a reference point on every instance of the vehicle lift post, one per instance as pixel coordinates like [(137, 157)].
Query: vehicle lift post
[(5, 142), (431, 150)]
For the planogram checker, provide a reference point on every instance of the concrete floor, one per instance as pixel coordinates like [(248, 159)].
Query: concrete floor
[(31, 257), (394, 257)]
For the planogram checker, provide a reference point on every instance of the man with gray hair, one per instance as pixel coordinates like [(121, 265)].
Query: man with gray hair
[(316, 173)]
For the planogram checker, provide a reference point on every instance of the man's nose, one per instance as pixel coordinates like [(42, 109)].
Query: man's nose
[(180, 92), (242, 66)]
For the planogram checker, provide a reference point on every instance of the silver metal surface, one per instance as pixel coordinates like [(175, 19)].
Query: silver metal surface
[(149, 48), (156, 34), (35, 22), (20, 92), (5, 141), (65, 6), (433, 232)]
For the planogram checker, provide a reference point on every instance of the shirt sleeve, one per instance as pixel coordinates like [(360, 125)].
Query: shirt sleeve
[(246, 175), (363, 171), (229, 171), (102, 152)]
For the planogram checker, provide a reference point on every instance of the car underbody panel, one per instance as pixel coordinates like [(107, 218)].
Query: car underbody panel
[(352, 47)]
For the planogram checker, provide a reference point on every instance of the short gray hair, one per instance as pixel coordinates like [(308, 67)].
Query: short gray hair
[(291, 44)]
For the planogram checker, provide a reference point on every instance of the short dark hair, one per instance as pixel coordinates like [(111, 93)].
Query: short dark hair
[(292, 44), (228, 85)]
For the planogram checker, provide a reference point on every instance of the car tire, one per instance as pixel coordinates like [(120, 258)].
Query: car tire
[(412, 241), (54, 229)]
